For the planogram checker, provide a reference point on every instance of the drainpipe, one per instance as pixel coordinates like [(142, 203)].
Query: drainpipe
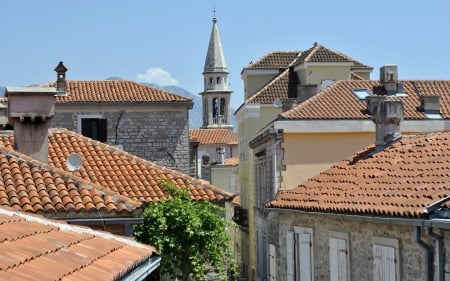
[(439, 253), (428, 258)]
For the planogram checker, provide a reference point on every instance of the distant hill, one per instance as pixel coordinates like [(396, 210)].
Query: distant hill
[(195, 114)]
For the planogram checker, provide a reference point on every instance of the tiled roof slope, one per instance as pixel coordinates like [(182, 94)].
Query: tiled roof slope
[(233, 161), (321, 54), (275, 60), (213, 136), (399, 181), (337, 101), (32, 186), (282, 87), (111, 181), (122, 172), (33, 248), (119, 91)]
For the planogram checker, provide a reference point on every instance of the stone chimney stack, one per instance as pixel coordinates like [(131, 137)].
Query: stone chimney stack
[(61, 70), (220, 155), (387, 116), (30, 110), (389, 77)]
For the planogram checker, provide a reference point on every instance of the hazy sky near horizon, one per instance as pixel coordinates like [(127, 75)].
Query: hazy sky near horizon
[(165, 42)]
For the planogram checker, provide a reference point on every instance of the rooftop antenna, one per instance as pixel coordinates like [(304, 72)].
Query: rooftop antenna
[(74, 162)]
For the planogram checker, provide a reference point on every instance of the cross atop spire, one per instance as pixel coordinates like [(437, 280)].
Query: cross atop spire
[(214, 11)]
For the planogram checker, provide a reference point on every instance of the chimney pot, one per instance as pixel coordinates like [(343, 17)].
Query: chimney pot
[(61, 70)]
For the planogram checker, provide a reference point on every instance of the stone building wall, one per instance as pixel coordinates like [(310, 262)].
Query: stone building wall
[(360, 239), (161, 136)]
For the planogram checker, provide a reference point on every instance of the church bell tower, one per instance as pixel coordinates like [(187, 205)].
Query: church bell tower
[(216, 95)]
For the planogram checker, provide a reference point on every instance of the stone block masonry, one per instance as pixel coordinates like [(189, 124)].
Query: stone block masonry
[(161, 136)]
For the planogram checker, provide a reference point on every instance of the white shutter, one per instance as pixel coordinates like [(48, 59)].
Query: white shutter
[(338, 259), (304, 254), (384, 263), (290, 261), (272, 263)]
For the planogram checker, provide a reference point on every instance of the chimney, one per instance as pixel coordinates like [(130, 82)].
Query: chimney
[(220, 155), (387, 116), (30, 110), (61, 70), (389, 77)]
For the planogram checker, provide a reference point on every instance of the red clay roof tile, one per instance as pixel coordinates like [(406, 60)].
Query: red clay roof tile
[(213, 136), (33, 248), (119, 91), (337, 101), (400, 180)]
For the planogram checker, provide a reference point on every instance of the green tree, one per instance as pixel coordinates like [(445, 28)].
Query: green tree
[(189, 235)]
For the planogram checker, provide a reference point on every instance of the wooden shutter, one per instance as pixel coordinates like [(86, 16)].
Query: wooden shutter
[(303, 254), (383, 263), (102, 130), (290, 261), (272, 263), (338, 259)]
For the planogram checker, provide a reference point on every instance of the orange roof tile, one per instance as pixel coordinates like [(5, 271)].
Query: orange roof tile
[(213, 136), (337, 101), (275, 60), (119, 91), (282, 87), (233, 161), (111, 181), (32, 186), (400, 181), (34, 248)]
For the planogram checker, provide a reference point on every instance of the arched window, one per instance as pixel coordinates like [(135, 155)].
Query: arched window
[(218, 80), (216, 107), (222, 107)]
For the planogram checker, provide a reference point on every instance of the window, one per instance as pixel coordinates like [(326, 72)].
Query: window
[(94, 128), (339, 257), (362, 94), (299, 249), (385, 259)]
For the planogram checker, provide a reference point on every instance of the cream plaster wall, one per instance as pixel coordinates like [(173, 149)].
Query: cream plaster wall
[(313, 75), (307, 154), (254, 83)]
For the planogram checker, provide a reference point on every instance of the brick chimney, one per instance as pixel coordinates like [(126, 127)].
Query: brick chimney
[(387, 116), (30, 110), (61, 70)]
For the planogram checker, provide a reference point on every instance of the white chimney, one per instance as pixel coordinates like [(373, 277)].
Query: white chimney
[(220, 155), (29, 112), (389, 77)]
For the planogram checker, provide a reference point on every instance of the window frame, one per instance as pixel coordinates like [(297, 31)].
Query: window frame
[(92, 116), (341, 236), (387, 243)]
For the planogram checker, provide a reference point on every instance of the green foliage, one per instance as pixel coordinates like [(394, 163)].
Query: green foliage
[(188, 234)]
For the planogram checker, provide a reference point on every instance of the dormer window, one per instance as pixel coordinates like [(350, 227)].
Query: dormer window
[(361, 94)]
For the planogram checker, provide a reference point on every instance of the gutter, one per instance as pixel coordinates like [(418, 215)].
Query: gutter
[(143, 270), (437, 223), (428, 259), (439, 253), (92, 221)]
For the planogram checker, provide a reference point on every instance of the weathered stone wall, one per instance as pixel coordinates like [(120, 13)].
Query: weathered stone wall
[(360, 234), (161, 136)]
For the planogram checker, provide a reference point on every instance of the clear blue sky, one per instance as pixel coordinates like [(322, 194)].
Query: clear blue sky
[(165, 42)]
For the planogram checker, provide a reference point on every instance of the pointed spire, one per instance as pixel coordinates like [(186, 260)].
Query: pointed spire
[(215, 59)]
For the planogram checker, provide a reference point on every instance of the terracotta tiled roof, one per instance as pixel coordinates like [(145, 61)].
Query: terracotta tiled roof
[(321, 54), (275, 60), (354, 76), (282, 87), (34, 248), (123, 172), (32, 186), (213, 136), (399, 181), (337, 101), (111, 180), (233, 161), (119, 91)]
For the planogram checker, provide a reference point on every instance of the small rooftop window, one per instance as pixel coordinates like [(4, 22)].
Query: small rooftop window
[(362, 94)]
